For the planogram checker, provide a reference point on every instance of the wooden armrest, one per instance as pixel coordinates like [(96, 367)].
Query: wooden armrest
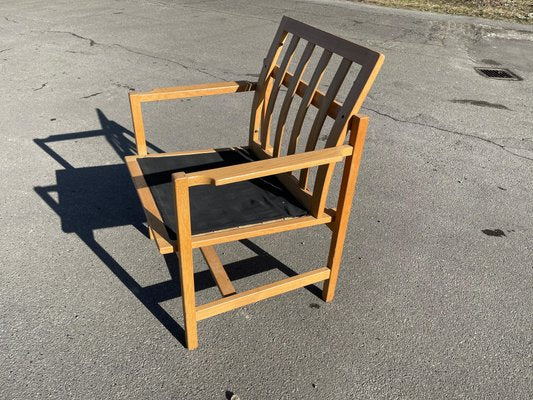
[(180, 92), (177, 92), (271, 166)]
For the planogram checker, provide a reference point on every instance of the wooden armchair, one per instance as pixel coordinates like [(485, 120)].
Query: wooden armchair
[(197, 199)]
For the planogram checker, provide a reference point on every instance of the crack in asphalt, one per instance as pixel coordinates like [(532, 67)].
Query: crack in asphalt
[(438, 128), (93, 42), (187, 67)]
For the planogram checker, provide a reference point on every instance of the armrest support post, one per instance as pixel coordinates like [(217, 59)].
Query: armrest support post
[(138, 125)]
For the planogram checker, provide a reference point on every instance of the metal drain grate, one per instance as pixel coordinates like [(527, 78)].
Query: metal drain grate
[(497, 73)]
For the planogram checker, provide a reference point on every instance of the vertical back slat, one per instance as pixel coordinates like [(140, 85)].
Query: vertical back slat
[(271, 99), (268, 90), (322, 113), (353, 101), (289, 96), (264, 76), (306, 100), (321, 187)]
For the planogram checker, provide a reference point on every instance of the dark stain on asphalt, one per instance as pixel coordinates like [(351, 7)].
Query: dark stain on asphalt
[(493, 232), (314, 305), (480, 103), (42, 86), (91, 95), (501, 188)]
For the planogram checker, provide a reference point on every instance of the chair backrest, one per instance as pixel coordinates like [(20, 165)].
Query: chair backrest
[(265, 138)]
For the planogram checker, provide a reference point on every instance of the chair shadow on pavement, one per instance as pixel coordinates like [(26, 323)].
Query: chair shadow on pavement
[(96, 197)]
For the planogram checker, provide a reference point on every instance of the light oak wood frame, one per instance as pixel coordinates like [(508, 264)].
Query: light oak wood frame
[(266, 89)]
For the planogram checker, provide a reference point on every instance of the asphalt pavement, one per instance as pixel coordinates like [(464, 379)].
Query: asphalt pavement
[(435, 296)]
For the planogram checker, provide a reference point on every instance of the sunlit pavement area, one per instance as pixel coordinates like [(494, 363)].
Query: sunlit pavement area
[(435, 296)]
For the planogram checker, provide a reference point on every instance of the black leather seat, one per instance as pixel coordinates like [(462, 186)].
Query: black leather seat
[(218, 207)]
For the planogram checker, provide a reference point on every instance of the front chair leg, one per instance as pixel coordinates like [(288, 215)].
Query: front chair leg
[(358, 127), (188, 300), (181, 196), (334, 262)]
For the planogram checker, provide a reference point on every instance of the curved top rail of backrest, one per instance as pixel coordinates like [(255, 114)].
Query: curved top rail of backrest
[(337, 45)]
